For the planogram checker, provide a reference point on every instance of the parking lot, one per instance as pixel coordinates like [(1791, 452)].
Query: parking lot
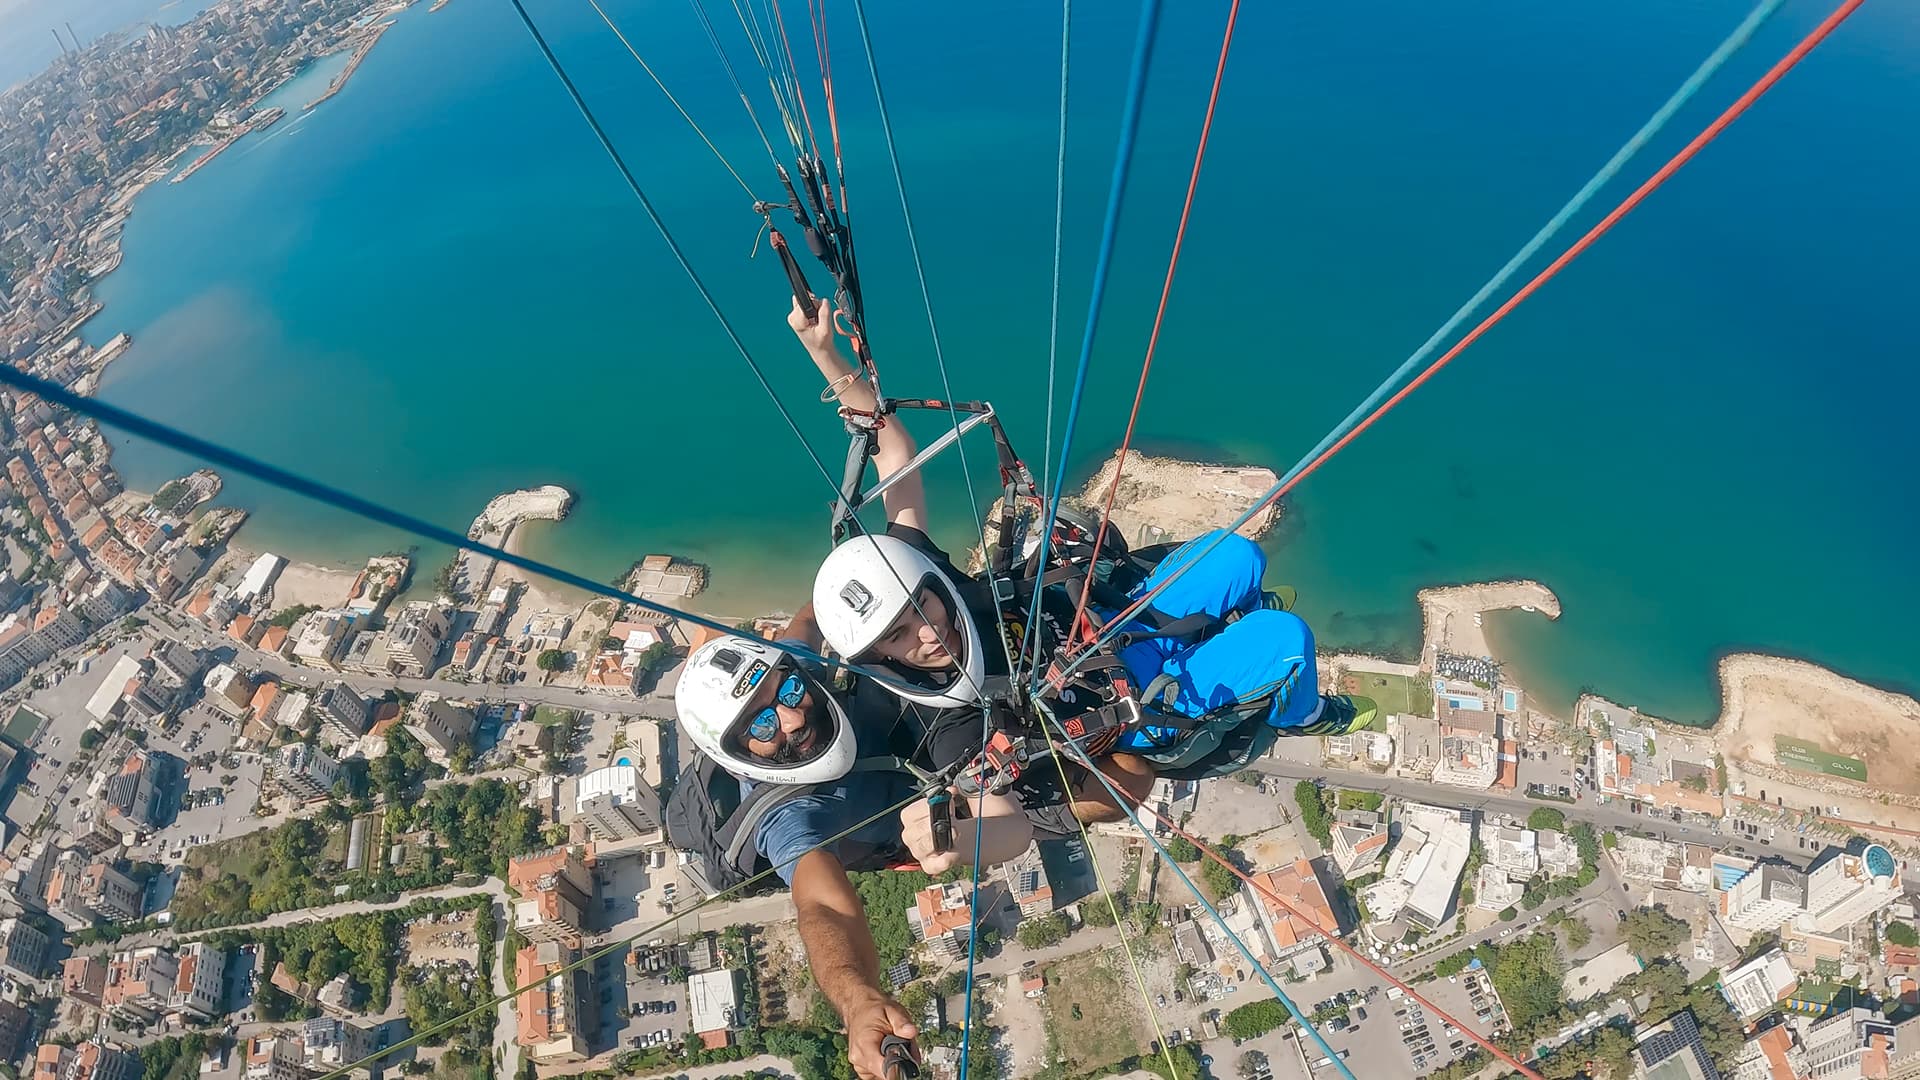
[(640, 1006), (218, 809)]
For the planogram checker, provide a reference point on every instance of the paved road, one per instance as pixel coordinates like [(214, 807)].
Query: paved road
[(492, 886), (249, 657), (1613, 817)]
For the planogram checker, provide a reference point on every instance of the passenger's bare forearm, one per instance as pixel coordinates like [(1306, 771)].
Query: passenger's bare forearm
[(833, 927)]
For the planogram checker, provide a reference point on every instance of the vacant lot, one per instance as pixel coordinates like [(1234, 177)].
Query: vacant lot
[(1790, 713), (1091, 1011)]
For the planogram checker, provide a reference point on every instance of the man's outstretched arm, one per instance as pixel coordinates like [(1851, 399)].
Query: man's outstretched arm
[(839, 944)]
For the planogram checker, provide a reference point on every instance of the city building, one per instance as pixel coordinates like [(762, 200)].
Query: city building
[(1463, 708), (1359, 842), (259, 577), (1854, 1043), (713, 1002), (1423, 871), (23, 949), (81, 892), (1771, 1055), (942, 914), (556, 1008), (1293, 906), (343, 709), (1559, 855), (1756, 986), (546, 630), (275, 1056), (1416, 741), (1493, 890), (176, 666), (228, 690), (1514, 851), (91, 1060), (1468, 761), (556, 889), (1843, 888), (144, 794), (618, 804), (106, 702), (318, 635), (1672, 1050), (83, 978), (305, 772), (414, 639), (330, 1044), (441, 726), (197, 992), (140, 984), (1766, 899)]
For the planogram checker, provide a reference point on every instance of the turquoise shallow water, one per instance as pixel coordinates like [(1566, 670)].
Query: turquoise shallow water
[(435, 288)]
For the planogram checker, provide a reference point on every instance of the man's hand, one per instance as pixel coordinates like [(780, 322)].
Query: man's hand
[(916, 831), (817, 335), (868, 1024)]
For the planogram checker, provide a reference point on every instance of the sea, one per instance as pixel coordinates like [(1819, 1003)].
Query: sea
[(435, 287)]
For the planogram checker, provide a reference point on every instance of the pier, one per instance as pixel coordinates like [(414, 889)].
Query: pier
[(353, 65)]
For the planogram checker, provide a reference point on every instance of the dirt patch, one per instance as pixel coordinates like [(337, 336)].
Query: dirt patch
[(449, 938), (1161, 499), (1767, 698), (1091, 1010)]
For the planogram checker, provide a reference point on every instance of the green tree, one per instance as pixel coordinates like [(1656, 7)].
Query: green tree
[(1182, 849), (1508, 914), (1578, 933), (887, 894), (1254, 1019), (286, 617), (1527, 974), (1651, 933), (1313, 812), (1902, 934), (1546, 817), (550, 660), (1220, 881), (1042, 932), (1096, 911)]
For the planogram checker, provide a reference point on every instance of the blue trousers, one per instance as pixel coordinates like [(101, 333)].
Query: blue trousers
[(1264, 653)]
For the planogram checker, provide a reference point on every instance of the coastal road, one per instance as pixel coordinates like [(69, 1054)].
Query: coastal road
[(300, 675), (1613, 818)]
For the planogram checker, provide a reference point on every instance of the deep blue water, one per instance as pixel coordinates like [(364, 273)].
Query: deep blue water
[(435, 287)]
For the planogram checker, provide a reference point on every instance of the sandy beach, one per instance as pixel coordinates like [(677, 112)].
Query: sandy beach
[(1447, 614), (539, 593), (299, 583)]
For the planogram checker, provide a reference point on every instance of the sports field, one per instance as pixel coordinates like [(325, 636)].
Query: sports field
[(1393, 693), (1808, 757), (22, 726)]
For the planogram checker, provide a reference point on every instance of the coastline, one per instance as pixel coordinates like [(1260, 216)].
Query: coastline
[(1450, 614)]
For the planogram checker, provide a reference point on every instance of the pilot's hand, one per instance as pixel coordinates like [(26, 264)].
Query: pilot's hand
[(818, 334), (916, 830), (868, 1025)]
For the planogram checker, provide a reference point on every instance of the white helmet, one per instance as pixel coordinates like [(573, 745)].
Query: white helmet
[(718, 680), (867, 583)]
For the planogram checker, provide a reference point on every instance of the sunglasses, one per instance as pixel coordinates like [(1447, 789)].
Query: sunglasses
[(763, 725)]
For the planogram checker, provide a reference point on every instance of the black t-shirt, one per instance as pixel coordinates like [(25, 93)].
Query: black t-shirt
[(938, 736)]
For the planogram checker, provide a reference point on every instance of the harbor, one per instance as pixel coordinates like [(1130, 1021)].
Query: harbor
[(359, 54)]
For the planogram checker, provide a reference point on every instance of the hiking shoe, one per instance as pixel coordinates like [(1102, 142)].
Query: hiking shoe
[(1340, 714)]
